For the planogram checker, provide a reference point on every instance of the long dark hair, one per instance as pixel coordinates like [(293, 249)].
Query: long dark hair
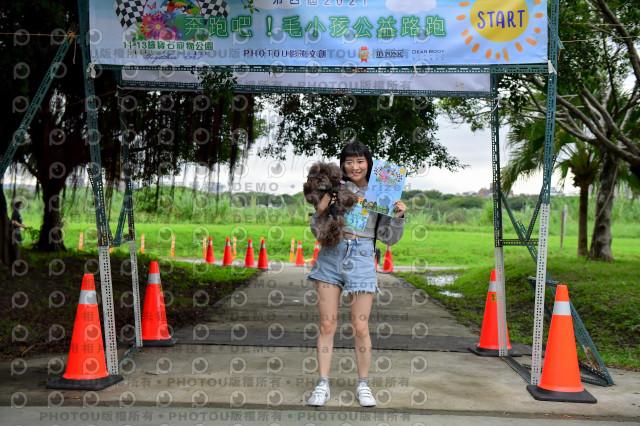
[(355, 149)]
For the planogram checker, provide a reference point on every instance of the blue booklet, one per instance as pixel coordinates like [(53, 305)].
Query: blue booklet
[(385, 187)]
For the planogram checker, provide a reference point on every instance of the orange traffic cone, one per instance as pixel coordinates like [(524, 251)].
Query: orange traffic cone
[(248, 259), (86, 365), (155, 330), (489, 344), (560, 380), (388, 261), (376, 262), (262, 256), (227, 259), (299, 255), (210, 256), (316, 250)]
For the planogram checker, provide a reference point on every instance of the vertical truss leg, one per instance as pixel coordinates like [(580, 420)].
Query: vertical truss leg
[(541, 277), (104, 234), (128, 205), (136, 293), (95, 176), (545, 207), (497, 218)]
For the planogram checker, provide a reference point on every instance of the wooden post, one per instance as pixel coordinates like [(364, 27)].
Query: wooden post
[(563, 224)]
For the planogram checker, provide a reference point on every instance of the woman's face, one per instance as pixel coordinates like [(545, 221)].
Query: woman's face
[(356, 169)]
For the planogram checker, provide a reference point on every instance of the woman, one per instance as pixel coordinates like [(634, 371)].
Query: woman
[(349, 267), (16, 225)]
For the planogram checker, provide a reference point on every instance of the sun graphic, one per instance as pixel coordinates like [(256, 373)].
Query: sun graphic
[(501, 24)]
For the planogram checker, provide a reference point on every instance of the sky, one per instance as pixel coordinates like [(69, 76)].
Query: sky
[(266, 174), (473, 149)]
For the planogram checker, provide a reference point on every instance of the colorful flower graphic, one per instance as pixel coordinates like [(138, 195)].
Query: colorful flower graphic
[(172, 20), (153, 25)]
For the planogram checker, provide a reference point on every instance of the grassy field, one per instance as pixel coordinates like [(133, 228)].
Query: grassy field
[(605, 296), (420, 245), (437, 234), (442, 229)]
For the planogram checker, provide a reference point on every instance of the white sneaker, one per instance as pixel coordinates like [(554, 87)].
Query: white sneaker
[(365, 397), (319, 396)]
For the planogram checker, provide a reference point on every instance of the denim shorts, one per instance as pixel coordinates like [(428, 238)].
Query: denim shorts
[(350, 264)]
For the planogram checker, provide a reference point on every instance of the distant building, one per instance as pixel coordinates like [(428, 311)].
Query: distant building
[(555, 193), (484, 193), (216, 187), (72, 179), (9, 185)]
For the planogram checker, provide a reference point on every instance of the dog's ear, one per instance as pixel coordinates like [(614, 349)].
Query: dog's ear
[(314, 170), (335, 173)]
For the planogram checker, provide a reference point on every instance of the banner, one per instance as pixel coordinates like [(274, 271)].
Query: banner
[(374, 83), (323, 33)]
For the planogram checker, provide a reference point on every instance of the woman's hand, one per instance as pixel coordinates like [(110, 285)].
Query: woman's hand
[(399, 208), (323, 204)]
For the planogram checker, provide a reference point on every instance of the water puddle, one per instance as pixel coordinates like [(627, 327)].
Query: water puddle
[(451, 293), (444, 280), (441, 280)]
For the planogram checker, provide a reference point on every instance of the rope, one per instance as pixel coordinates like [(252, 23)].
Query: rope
[(593, 24), (599, 39), (22, 33)]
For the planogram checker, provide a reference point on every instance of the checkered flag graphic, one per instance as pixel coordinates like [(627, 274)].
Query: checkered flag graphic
[(211, 8), (129, 11)]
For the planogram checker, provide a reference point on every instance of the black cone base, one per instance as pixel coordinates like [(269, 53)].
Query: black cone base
[(547, 395), (491, 352), (90, 385), (159, 343)]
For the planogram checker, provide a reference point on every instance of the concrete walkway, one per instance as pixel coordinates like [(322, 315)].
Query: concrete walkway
[(257, 354)]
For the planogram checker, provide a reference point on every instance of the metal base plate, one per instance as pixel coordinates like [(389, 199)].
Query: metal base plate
[(490, 352)]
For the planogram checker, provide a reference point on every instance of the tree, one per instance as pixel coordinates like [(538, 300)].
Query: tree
[(24, 59), (56, 144), (402, 133), (593, 102), (170, 129)]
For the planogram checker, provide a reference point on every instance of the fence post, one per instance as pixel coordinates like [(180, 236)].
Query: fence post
[(563, 224)]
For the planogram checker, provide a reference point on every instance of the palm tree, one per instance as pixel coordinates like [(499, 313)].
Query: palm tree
[(526, 141)]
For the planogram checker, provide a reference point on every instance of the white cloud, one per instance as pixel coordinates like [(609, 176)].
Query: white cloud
[(269, 4), (411, 6)]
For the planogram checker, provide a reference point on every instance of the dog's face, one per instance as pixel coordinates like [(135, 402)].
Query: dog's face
[(322, 177)]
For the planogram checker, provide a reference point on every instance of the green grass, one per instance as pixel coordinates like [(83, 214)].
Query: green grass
[(420, 245), (605, 296), (438, 232)]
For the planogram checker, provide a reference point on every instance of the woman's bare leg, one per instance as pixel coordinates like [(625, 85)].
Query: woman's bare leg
[(328, 300), (360, 310)]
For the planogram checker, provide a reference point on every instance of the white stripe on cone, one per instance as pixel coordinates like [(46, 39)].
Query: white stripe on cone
[(561, 308)]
